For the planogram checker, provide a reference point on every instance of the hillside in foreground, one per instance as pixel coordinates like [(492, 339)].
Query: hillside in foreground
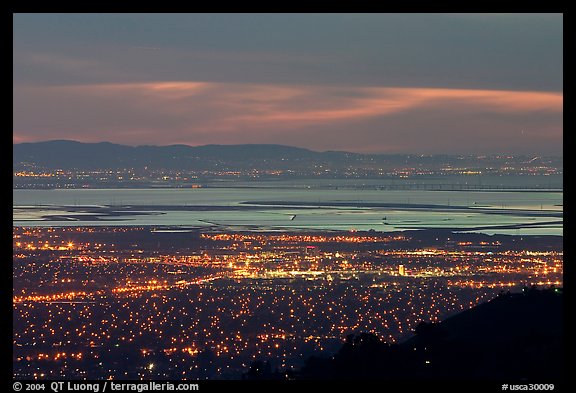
[(514, 336)]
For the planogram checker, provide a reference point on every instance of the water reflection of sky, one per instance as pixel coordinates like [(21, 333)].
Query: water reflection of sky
[(30, 206)]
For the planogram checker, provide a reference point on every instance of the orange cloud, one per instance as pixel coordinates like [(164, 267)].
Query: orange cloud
[(207, 107), (17, 138), (496, 100), (375, 102)]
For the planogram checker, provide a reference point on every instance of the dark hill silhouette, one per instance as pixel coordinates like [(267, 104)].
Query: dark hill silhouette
[(515, 337), (65, 154), (71, 155)]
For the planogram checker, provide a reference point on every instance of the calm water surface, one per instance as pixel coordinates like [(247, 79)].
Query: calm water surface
[(35, 207)]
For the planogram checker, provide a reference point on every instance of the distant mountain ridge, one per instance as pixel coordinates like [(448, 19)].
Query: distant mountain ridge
[(67, 154), (72, 155)]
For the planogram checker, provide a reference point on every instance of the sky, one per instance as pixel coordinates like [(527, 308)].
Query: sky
[(371, 83)]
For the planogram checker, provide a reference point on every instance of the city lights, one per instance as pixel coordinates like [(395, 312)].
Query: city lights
[(210, 308)]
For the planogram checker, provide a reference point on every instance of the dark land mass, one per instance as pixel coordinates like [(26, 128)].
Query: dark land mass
[(514, 337), (71, 155), (65, 154)]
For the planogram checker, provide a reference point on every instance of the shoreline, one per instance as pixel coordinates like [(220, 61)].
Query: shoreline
[(123, 216)]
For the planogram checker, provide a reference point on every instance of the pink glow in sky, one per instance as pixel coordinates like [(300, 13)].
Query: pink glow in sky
[(201, 112), (370, 83)]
